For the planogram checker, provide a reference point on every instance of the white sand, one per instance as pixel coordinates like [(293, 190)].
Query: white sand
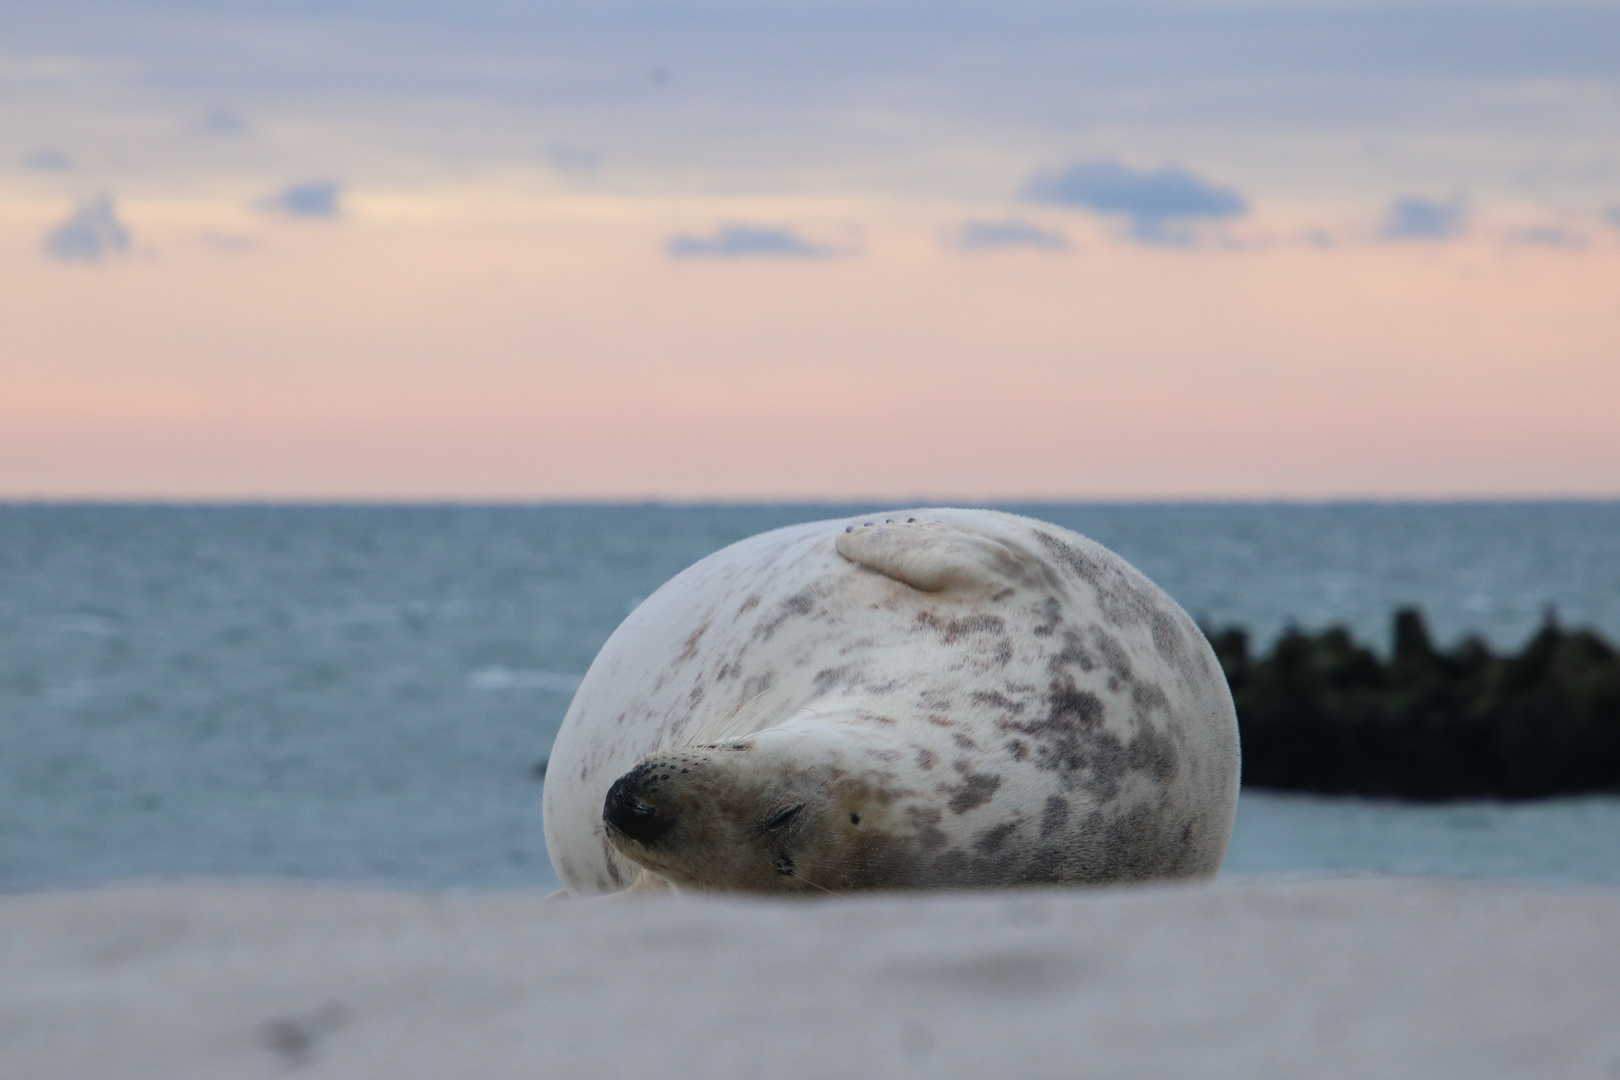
[(1322, 979)]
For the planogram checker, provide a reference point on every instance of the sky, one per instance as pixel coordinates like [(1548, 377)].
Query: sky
[(742, 249)]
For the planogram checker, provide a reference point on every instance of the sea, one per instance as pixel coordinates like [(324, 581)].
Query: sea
[(367, 694)]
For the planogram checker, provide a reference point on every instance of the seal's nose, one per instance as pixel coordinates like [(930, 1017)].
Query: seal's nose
[(631, 810)]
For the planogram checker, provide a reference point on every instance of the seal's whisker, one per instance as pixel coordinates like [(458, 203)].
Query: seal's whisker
[(796, 876), (725, 726), (800, 877), (767, 730), (823, 865), (709, 728), (720, 720), (742, 720), (796, 712)]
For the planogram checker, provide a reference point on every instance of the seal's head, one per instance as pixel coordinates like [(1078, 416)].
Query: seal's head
[(777, 812)]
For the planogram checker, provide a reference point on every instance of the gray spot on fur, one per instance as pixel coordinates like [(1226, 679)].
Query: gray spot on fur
[(1072, 741), (994, 839), (953, 630), (1114, 656), (758, 684), (1125, 598), (1051, 618), (1073, 654), (827, 678), (1073, 717), (925, 820), (689, 644), (1054, 816), (1168, 640), (976, 788), (798, 605), (1149, 696), (1084, 566), (997, 700), (1133, 845)]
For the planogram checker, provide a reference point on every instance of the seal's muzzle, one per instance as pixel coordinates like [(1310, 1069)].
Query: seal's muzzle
[(631, 810)]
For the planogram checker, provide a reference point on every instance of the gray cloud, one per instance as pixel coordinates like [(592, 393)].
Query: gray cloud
[(48, 159), (990, 235), (313, 198), (225, 122), (230, 242), (571, 159), (1613, 214), (1411, 218), (1274, 81), (90, 235), (1159, 203), (746, 241), (1551, 236)]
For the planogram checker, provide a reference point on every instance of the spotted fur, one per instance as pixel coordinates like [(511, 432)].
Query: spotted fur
[(918, 699)]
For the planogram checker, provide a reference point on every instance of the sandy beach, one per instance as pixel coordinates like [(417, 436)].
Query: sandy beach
[(1323, 978)]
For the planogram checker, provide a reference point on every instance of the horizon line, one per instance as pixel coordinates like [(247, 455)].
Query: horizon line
[(914, 502)]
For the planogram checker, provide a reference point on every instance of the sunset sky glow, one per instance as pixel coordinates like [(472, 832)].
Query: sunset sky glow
[(778, 250)]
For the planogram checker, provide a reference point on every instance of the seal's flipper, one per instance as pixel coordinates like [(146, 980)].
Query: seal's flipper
[(935, 557)]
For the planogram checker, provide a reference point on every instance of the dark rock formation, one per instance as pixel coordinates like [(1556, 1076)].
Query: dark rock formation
[(1323, 713)]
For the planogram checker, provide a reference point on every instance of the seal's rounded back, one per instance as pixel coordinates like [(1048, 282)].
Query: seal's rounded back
[(932, 698)]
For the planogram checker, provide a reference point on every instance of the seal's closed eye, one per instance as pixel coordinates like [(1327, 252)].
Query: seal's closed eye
[(781, 818)]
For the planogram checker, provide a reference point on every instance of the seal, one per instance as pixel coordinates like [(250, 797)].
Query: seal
[(938, 698)]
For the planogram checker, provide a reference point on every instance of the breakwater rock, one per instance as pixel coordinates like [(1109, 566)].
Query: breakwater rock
[(1324, 713)]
